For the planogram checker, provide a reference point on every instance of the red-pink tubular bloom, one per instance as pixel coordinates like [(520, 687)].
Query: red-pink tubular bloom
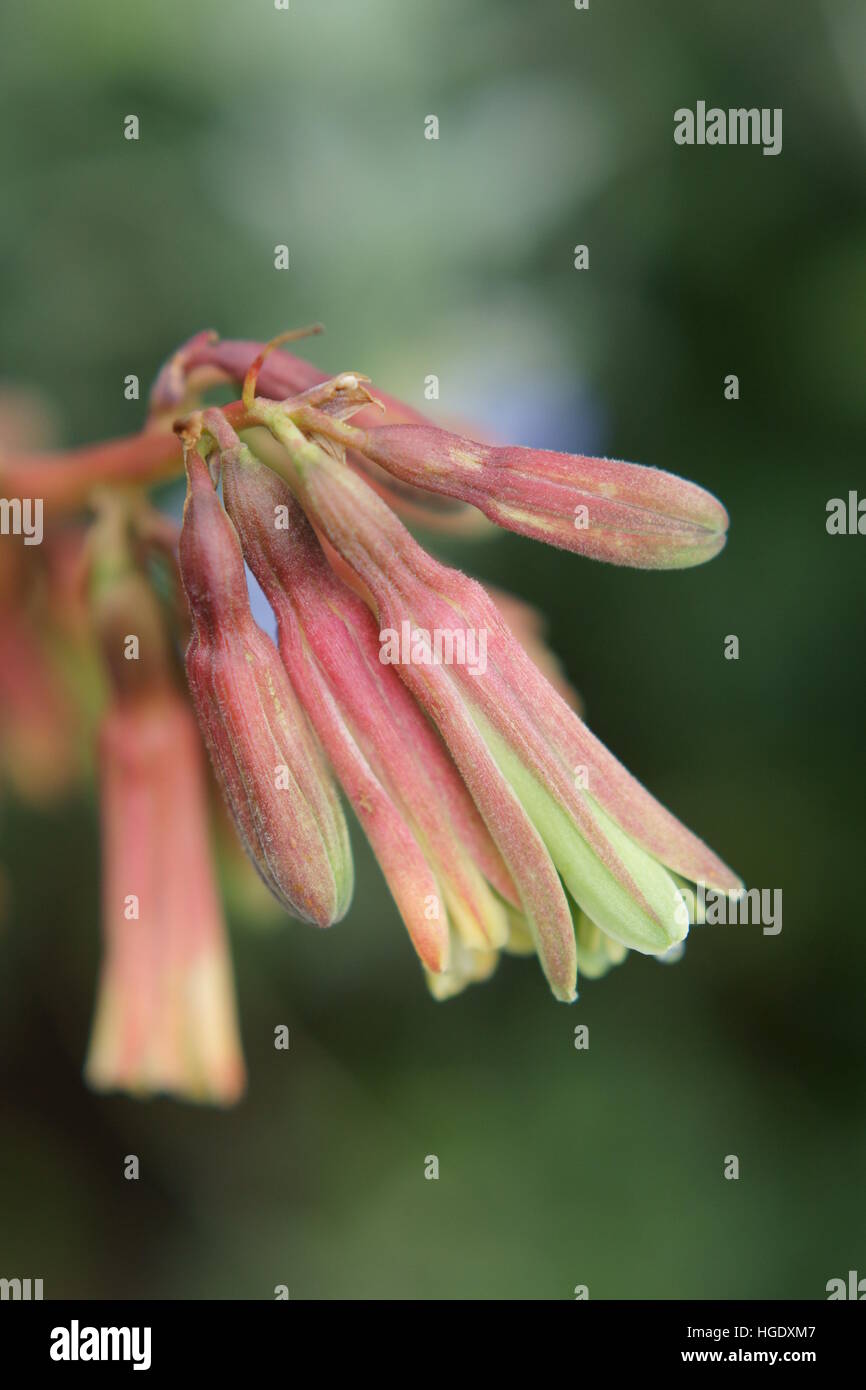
[(264, 754), (165, 1016), (376, 546), (623, 513), (547, 788), (204, 359), (408, 796)]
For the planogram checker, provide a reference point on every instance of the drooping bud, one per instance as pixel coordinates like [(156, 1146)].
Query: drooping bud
[(365, 532), (430, 841), (514, 739), (263, 752), (623, 513)]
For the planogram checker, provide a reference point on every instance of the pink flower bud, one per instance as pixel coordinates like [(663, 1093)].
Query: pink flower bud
[(363, 530), (426, 832), (517, 744), (619, 512), (264, 754)]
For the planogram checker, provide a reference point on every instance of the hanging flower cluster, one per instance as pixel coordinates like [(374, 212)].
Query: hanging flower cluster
[(499, 821)]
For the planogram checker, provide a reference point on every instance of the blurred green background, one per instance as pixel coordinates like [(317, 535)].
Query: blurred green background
[(558, 1167)]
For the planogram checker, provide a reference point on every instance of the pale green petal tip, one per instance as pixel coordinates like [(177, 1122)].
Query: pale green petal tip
[(650, 926), (672, 954), (467, 967), (597, 952)]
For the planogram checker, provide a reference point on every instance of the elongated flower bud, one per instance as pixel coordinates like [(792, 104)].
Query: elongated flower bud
[(264, 755), (514, 740), (619, 512), (402, 784), (360, 527)]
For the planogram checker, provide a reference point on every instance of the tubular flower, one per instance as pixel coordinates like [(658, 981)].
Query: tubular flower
[(165, 1016), (431, 843), (554, 799), (264, 755)]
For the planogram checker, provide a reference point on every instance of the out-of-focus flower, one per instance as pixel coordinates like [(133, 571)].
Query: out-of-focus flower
[(38, 752), (165, 1016), (264, 755), (39, 757), (48, 677)]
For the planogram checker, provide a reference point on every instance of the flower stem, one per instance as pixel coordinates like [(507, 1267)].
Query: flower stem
[(65, 480)]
